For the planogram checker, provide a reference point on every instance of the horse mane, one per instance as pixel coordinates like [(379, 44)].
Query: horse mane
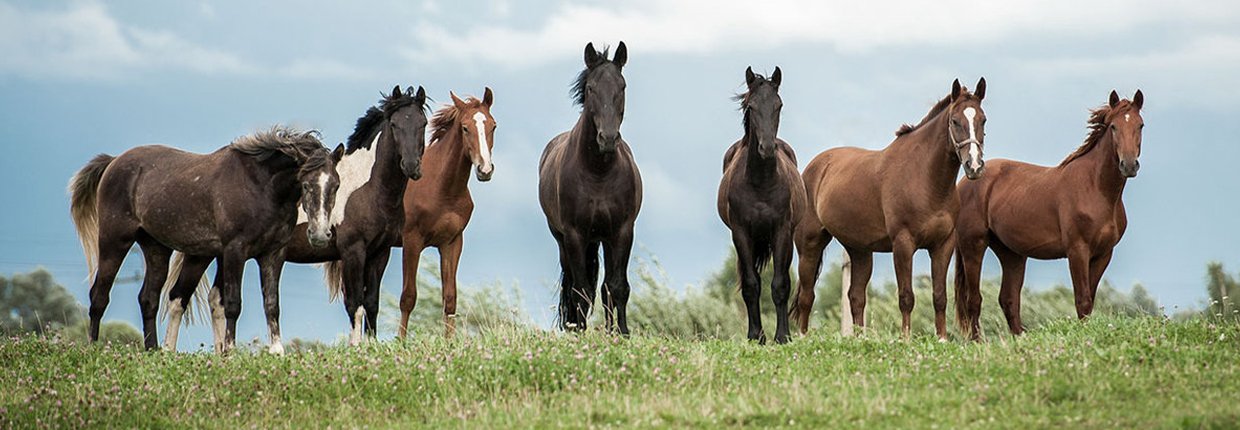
[(446, 117), (937, 109), (743, 100), (1097, 129), (578, 90), (296, 144), (368, 125)]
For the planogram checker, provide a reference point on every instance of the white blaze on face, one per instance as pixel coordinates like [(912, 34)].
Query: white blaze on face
[(975, 151), (480, 120)]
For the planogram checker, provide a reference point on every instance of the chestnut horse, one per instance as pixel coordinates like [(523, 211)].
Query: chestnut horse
[(898, 200), (760, 199), (1074, 210), (438, 207), (590, 191)]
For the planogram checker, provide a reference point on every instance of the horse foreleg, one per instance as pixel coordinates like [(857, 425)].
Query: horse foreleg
[(179, 297), (1097, 266), (861, 266), (157, 257), (576, 295), (228, 280), (449, 258), (412, 254), (810, 243), (902, 248), (750, 279), (1078, 265), (352, 277), (616, 288), (781, 285), (940, 260), (970, 250), (1010, 286), (270, 266), (375, 267)]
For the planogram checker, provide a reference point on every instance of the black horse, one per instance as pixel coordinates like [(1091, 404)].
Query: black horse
[(239, 202), (591, 191), (760, 198)]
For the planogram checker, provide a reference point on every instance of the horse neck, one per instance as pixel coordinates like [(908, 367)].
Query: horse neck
[(926, 153), (1100, 169), (586, 140), (386, 173), (452, 164), (279, 174), (758, 170)]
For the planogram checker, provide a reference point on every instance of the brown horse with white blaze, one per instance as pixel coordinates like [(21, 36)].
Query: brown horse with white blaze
[(438, 207), (897, 200), (1074, 210)]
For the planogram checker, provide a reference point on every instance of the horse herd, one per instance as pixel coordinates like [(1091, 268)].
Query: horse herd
[(281, 196)]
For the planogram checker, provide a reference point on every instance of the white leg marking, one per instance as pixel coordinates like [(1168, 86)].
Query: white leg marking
[(359, 317), (217, 318), (484, 149), (273, 329), (175, 312)]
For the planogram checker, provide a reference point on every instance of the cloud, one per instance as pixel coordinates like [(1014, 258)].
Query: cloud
[(705, 26), (84, 42)]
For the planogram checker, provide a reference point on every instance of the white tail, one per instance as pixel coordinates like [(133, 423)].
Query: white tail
[(333, 274), (846, 321), (193, 313), (84, 209)]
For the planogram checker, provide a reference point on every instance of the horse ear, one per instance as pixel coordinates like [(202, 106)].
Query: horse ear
[(456, 101), (1138, 99), (622, 55), (777, 76), (749, 76), (487, 97), (338, 153), (420, 97), (1114, 99), (980, 91), (395, 91), (592, 56), (955, 89)]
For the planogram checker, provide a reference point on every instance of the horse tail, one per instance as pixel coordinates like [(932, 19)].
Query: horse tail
[(194, 311), (963, 296), (333, 276), (84, 208)]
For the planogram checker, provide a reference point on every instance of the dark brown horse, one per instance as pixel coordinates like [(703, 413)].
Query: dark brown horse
[(438, 207), (1074, 210), (238, 203), (898, 200), (761, 198), (591, 191)]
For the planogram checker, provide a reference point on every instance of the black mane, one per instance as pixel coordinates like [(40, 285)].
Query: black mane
[(578, 90), (368, 125)]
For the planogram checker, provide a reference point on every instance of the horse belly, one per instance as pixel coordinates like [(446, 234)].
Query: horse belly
[(854, 223)]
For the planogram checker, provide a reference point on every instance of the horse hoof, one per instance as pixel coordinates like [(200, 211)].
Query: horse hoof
[(276, 349)]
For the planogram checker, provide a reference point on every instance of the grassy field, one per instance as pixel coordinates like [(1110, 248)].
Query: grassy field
[(1108, 372)]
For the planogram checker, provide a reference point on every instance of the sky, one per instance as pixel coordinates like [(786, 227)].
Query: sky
[(84, 77)]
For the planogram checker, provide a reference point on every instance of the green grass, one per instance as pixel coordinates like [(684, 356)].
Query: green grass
[(1107, 372)]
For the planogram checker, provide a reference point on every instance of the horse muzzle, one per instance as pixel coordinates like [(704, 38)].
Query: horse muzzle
[(318, 239), (484, 176), (1129, 168), (412, 170), (973, 172)]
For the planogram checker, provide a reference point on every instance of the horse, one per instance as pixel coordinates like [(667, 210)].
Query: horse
[(239, 202), (897, 200), (438, 207), (591, 191), (760, 199), (383, 152), (1074, 210)]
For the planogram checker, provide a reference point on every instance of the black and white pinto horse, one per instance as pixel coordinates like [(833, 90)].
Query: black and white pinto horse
[(237, 203)]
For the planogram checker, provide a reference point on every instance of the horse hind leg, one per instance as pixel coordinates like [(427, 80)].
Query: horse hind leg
[(810, 244), (860, 268), (112, 250), (157, 257)]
